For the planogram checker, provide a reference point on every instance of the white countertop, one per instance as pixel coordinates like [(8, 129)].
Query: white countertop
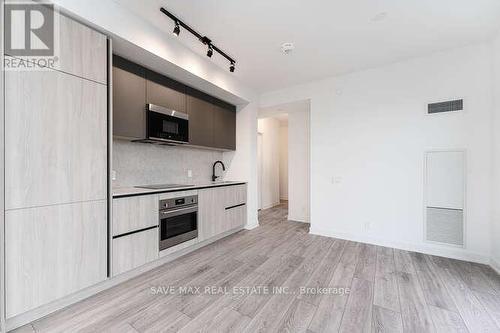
[(133, 191)]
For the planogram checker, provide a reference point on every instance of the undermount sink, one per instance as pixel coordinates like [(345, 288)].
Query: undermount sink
[(163, 186)]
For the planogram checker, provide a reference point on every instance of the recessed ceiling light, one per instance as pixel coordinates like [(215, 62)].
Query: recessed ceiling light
[(287, 48), (379, 17)]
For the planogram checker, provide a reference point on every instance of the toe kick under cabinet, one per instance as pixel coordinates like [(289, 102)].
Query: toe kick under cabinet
[(56, 173)]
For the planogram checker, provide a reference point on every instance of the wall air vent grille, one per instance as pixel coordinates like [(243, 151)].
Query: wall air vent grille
[(445, 225), (449, 106)]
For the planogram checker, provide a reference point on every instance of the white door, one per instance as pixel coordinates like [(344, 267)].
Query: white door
[(260, 166)]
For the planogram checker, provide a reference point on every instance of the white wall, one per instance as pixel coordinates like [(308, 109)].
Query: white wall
[(270, 191), (283, 147), (298, 169), (369, 133), (495, 235)]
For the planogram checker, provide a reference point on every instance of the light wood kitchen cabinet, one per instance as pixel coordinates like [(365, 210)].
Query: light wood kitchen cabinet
[(165, 92), (236, 216), (134, 213), (211, 212), (83, 51), (134, 250), (129, 99), (55, 139), (201, 122), (224, 131), (53, 251), (235, 206), (56, 163), (235, 194), (216, 211)]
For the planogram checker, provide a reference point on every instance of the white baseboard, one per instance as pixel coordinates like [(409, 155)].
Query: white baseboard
[(252, 226), (297, 219), (495, 265), (437, 250), (271, 205), (291, 218)]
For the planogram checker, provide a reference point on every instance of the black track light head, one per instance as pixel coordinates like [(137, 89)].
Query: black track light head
[(177, 29), (232, 68), (210, 51)]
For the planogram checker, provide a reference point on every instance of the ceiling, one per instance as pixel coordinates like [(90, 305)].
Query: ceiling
[(331, 37)]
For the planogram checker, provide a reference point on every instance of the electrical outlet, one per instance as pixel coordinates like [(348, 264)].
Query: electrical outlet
[(190, 173), (113, 175)]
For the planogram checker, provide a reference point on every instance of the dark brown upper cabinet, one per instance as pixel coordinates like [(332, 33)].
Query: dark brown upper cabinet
[(212, 122), (165, 92), (129, 100), (201, 122), (224, 128)]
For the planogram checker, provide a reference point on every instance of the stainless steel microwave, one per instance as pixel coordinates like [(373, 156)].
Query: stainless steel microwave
[(166, 125)]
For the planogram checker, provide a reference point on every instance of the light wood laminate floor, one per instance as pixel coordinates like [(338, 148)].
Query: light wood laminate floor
[(371, 289)]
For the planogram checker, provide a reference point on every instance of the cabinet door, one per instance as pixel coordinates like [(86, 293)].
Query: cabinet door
[(55, 139), (129, 103), (211, 212), (235, 195), (53, 251), (224, 128), (165, 92), (201, 122), (134, 250), (83, 50), (236, 217), (134, 213)]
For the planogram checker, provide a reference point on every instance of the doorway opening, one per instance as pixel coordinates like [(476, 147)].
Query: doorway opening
[(283, 154)]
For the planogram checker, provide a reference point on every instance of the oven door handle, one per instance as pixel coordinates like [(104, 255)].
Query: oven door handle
[(177, 212)]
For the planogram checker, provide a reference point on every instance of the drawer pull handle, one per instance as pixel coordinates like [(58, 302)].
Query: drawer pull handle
[(235, 206)]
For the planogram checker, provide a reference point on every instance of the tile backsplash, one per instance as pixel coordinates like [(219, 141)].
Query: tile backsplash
[(142, 163)]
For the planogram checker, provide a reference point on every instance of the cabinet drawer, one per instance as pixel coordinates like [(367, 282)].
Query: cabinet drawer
[(235, 195), (236, 217), (134, 250), (134, 213)]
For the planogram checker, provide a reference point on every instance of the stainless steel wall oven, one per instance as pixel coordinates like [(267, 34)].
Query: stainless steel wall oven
[(178, 220)]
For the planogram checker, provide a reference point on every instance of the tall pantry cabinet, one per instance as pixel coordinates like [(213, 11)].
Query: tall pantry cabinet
[(56, 190)]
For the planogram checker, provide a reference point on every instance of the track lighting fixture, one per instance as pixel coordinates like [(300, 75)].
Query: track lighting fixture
[(177, 29), (203, 39)]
